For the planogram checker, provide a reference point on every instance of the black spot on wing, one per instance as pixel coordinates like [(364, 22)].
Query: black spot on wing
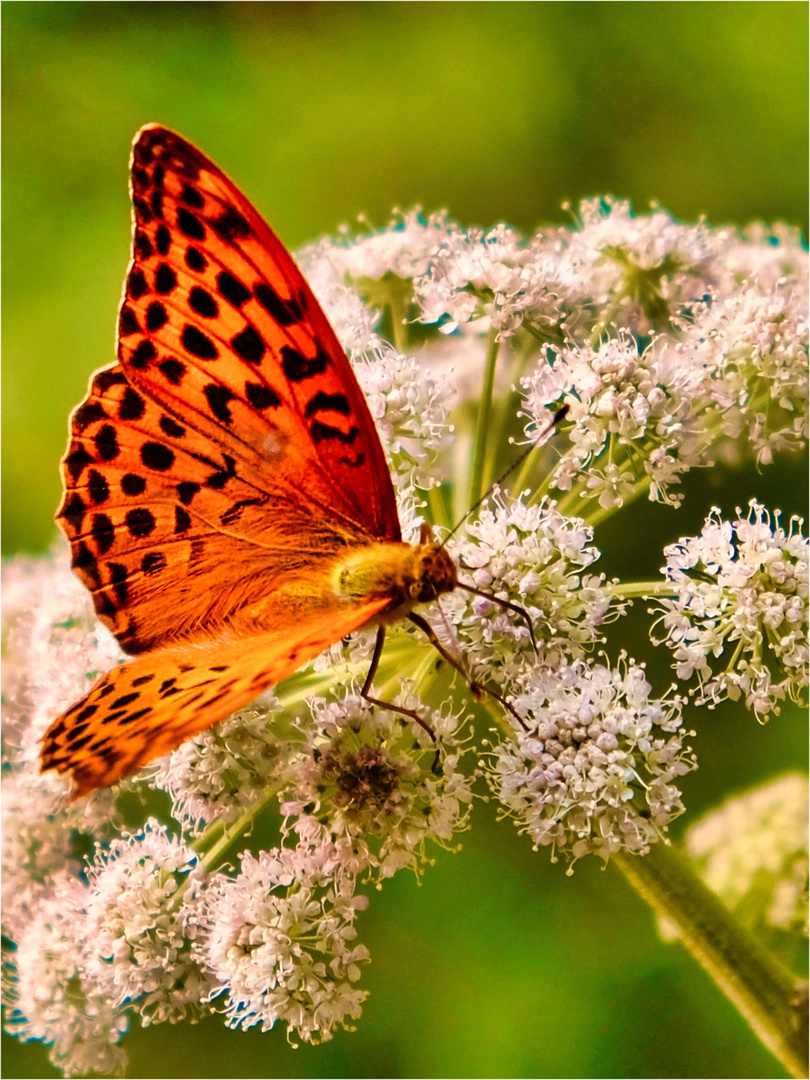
[(191, 197), (140, 522), (165, 279), (218, 398), (231, 226), (152, 563), (142, 354), (261, 396), (132, 484), (190, 225), (203, 303), (88, 413), (171, 428), (285, 312), (103, 532), (182, 521), (195, 260), (143, 245), (106, 443), (325, 432), (232, 515), (83, 559), (118, 580), (186, 490), (249, 345), (131, 406), (74, 509), (163, 240), (322, 402), (173, 370), (298, 367), (142, 211), (105, 379), (198, 343), (127, 322), (155, 316), (98, 487), (77, 460), (136, 284), (157, 456), (353, 463), (230, 288)]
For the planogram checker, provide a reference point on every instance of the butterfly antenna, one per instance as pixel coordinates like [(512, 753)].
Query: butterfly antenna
[(559, 416), (521, 612)]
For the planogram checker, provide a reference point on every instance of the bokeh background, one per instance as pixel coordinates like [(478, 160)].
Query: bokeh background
[(498, 964)]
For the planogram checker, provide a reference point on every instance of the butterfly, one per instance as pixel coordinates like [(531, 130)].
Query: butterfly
[(226, 497)]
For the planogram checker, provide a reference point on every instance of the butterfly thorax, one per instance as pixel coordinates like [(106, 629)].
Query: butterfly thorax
[(406, 574)]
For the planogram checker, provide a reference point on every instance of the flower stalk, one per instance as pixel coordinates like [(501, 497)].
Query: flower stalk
[(478, 477), (767, 995)]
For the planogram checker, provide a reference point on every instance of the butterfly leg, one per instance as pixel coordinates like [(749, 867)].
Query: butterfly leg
[(372, 671), (476, 687)]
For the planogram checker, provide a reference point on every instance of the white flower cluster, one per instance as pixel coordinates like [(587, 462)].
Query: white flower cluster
[(363, 782), (90, 948), (753, 852), (138, 924), (223, 772), (671, 344), (539, 559), (278, 940), (593, 773), (621, 399), (47, 998), (742, 589)]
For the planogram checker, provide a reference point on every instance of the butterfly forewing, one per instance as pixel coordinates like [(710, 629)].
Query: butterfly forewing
[(231, 448), (239, 340)]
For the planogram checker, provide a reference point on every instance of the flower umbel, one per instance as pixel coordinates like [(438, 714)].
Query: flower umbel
[(594, 772), (741, 589), (278, 941), (753, 852)]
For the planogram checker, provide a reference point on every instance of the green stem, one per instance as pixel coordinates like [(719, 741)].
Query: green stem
[(437, 504), (399, 310), (630, 589), (765, 993), (483, 427)]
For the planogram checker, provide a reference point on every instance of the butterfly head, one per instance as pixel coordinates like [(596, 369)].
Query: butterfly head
[(433, 573)]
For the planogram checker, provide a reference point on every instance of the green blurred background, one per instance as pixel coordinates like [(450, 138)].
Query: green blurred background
[(498, 965)]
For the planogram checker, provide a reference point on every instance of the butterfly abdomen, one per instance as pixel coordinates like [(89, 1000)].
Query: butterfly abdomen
[(406, 574)]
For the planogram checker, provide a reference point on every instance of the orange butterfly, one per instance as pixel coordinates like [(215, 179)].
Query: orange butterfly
[(227, 500)]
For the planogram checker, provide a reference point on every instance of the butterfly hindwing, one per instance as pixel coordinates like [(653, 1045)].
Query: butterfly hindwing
[(145, 708)]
